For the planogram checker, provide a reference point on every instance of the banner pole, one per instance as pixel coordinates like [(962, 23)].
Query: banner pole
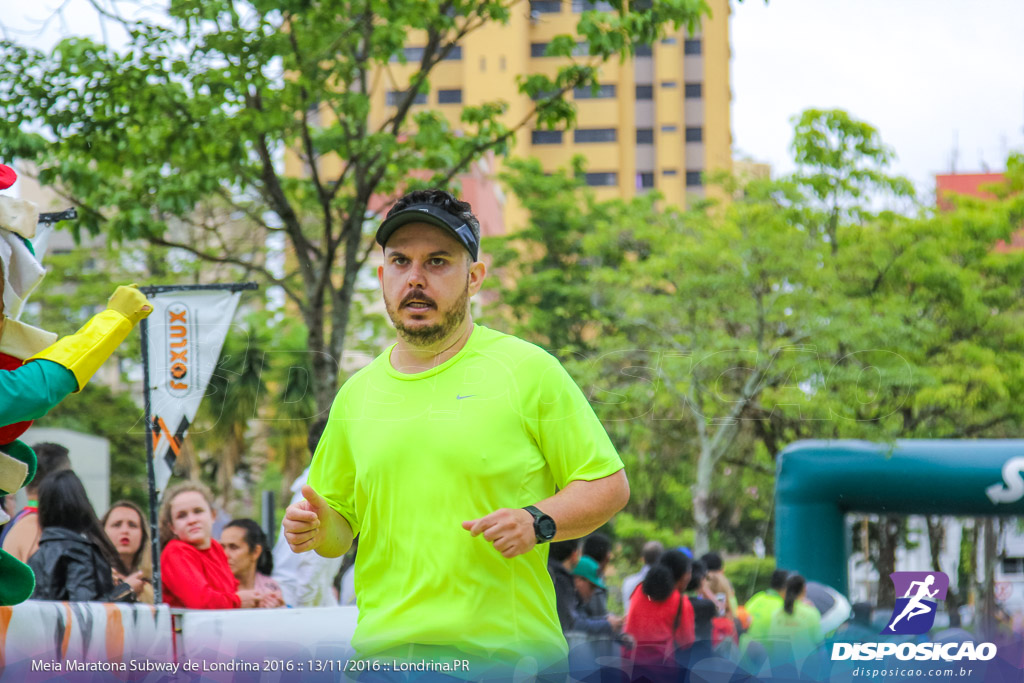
[(154, 290), (154, 532)]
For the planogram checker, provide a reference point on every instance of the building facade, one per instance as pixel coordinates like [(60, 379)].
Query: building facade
[(660, 120)]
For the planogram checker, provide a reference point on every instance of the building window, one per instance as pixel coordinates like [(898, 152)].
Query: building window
[(584, 5), (412, 54), (669, 41), (546, 137), (645, 92), (669, 172), (603, 92), (546, 6), (415, 54), (602, 179), (693, 90), (669, 84), (644, 51), (669, 128), (396, 96), (644, 180), (501, 63), (691, 46), (594, 135), (1013, 565), (645, 136), (581, 49), (453, 96), (544, 95), (694, 179), (694, 134)]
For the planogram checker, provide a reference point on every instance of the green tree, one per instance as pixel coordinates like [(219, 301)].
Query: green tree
[(231, 400), (842, 163), (732, 296), (707, 340), (680, 322), (177, 138)]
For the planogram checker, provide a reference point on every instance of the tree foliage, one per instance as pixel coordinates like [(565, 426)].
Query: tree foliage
[(843, 165), (709, 339), (178, 139)]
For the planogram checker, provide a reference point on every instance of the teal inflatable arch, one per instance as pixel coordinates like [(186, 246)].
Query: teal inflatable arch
[(818, 482)]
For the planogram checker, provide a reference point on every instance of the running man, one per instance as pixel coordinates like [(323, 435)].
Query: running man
[(456, 455), (914, 607)]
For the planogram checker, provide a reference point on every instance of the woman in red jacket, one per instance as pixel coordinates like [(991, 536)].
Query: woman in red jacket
[(660, 617), (194, 570)]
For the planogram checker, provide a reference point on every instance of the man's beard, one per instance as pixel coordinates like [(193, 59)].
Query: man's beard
[(427, 336)]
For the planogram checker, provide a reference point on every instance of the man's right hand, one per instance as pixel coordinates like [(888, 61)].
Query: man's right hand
[(303, 521)]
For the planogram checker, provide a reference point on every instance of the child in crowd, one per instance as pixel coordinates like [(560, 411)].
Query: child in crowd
[(660, 618), (194, 570)]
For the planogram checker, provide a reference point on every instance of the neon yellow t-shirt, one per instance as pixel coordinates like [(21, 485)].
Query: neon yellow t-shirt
[(793, 635), (761, 607), (407, 458)]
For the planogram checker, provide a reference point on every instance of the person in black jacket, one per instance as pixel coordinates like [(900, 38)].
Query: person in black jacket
[(75, 556)]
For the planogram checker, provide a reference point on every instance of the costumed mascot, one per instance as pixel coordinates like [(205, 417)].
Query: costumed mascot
[(37, 370)]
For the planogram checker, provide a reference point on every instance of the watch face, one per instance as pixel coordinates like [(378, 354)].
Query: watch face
[(546, 528)]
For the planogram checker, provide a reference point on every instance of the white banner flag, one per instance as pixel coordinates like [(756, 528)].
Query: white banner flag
[(186, 333)]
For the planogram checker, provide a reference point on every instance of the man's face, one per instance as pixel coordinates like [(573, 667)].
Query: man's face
[(427, 280)]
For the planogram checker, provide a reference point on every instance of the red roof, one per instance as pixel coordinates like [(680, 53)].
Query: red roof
[(969, 184), (972, 184)]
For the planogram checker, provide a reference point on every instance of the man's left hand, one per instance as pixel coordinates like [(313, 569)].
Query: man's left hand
[(511, 531)]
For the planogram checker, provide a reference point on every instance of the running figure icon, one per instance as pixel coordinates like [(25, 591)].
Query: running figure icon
[(915, 607)]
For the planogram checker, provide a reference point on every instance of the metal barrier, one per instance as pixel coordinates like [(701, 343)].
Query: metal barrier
[(41, 640)]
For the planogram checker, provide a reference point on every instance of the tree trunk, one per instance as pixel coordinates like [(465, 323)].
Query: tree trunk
[(936, 538), (702, 501), (970, 562), (833, 230), (890, 529), (325, 377), (228, 463), (988, 586), (323, 364)]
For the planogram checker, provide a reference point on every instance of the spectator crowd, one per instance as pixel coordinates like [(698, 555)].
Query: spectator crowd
[(676, 610), (78, 556)]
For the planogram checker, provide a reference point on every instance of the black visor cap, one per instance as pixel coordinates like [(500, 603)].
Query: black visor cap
[(434, 215)]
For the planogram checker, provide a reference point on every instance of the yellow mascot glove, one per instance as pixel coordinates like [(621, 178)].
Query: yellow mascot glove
[(86, 350), (131, 303)]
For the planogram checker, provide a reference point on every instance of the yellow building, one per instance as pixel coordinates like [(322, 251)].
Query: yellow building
[(659, 120)]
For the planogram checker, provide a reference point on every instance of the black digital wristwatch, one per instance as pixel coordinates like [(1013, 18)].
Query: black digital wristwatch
[(543, 525)]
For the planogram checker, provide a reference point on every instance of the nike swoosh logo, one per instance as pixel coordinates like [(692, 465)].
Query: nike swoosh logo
[(459, 398)]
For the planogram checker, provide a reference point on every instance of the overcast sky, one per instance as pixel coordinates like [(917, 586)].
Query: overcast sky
[(927, 73)]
